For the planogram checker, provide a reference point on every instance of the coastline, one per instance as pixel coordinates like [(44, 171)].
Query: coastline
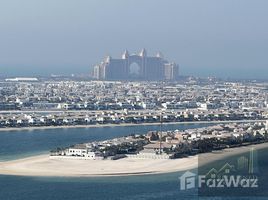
[(56, 167), (45, 167), (122, 125)]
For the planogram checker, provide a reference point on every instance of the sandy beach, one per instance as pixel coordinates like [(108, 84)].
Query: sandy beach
[(122, 124), (45, 166)]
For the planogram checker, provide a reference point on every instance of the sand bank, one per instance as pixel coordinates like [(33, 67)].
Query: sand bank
[(122, 124), (45, 166)]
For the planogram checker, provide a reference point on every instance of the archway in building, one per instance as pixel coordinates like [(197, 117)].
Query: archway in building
[(135, 71)]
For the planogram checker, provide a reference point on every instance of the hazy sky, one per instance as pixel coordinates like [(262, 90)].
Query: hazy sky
[(227, 38)]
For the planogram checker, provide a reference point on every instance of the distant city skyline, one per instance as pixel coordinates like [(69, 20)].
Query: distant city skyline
[(206, 38)]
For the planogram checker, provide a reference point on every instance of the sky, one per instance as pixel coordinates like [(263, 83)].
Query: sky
[(223, 38)]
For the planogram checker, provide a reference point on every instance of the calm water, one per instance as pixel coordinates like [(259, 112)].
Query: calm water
[(18, 144)]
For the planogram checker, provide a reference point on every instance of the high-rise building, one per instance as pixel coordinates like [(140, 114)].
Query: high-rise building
[(136, 67)]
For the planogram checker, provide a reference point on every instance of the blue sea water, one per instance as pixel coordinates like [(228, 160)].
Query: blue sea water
[(17, 144)]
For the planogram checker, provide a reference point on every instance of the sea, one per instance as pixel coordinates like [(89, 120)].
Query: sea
[(24, 143)]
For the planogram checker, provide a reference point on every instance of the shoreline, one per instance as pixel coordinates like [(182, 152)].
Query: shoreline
[(121, 125), (43, 166)]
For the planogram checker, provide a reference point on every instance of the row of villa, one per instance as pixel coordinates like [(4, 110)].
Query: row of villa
[(169, 144)]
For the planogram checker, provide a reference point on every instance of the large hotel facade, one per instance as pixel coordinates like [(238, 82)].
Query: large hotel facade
[(136, 67)]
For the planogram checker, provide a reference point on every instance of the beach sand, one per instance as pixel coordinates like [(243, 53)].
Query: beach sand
[(45, 166), (30, 128)]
